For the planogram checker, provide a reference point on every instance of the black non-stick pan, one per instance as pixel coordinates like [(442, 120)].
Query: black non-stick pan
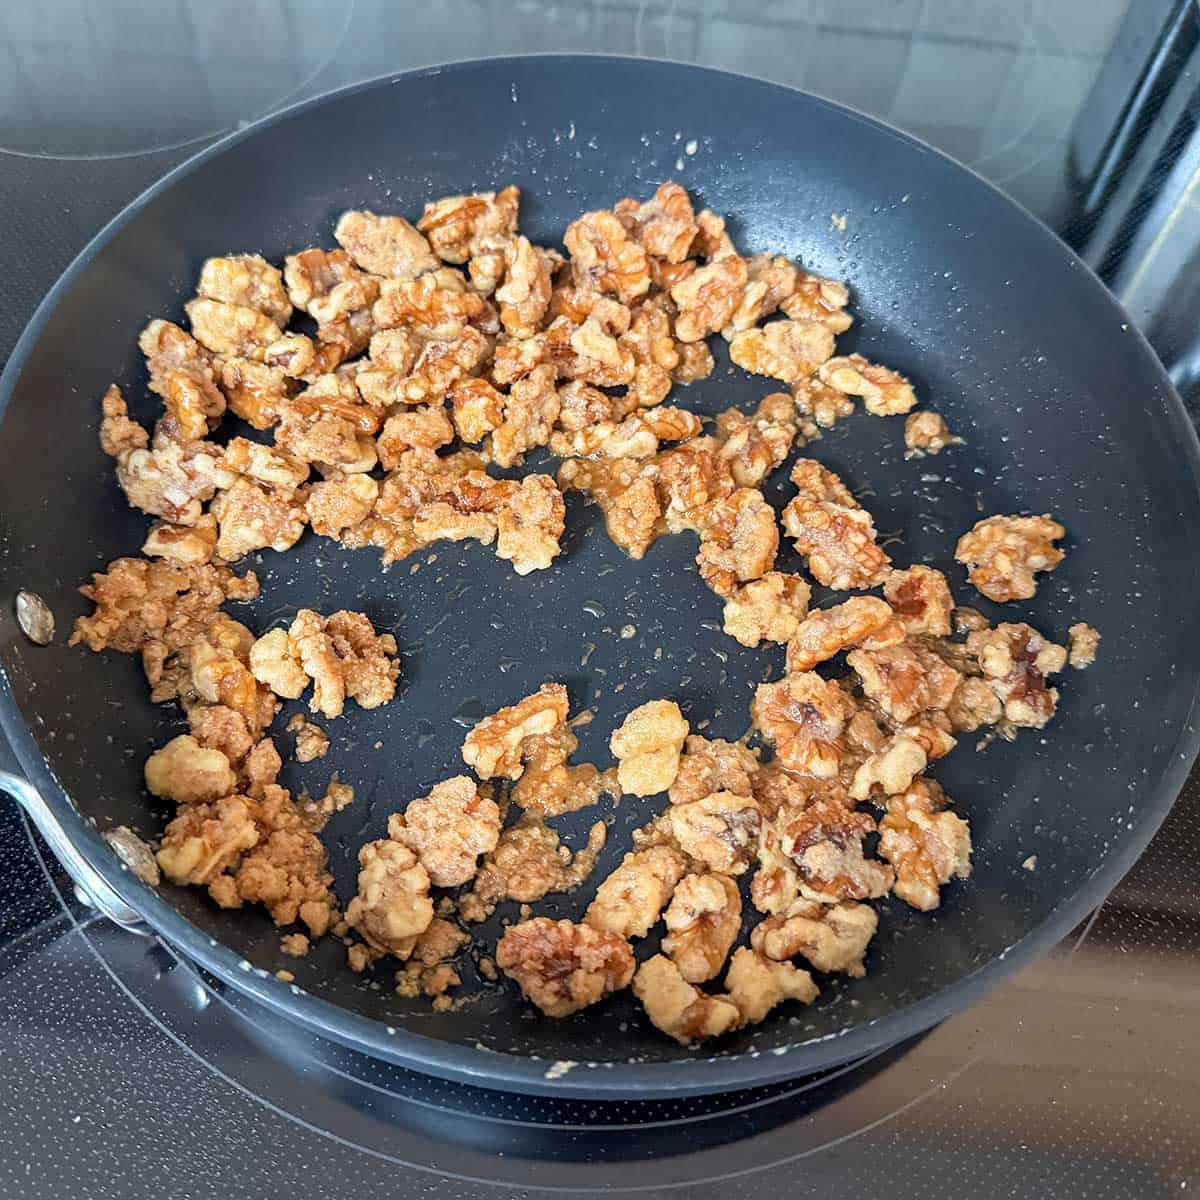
[(1063, 407)]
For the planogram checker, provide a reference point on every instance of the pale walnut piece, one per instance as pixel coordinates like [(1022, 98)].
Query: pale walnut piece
[(768, 609), (206, 839), (703, 921), (631, 899), (787, 350), (1084, 642), (392, 907), (189, 545), (253, 516), (449, 829), (665, 224), (1015, 661), (529, 524), (714, 765), (720, 831), (974, 705), (860, 621), (647, 747), (495, 747), (832, 937), (738, 541), (825, 842), (819, 407), (563, 967), (1002, 555), (926, 844), (921, 600), (605, 259), (187, 773), (248, 280), (803, 717), (679, 1009), (905, 679), (275, 661), (926, 432), (892, 768), (387, 246), (832, 531), (344, 657), (756, 984), (884, 392)]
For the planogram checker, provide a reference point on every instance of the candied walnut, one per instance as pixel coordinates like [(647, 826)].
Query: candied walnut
[(477, 407), (665, 224), (786, 350), (181, 372), (832, 937), (905, 679), (496, 745), (814, 298), (824, 840), (524, 297), (709, 296), (295, 945), (768, 609), (530, 410), (1002, 554), (631, 899), (275, 661), (738, 541), (119, 433), (654, 349), (256, 391), (204, 840), (860, 621), (248, 280), (171, 480), (297, 356), (816, 482), (140, 602), (926, 844), (818, 407), (921, 600), (677, 1007), (771, 279), (434, 305), (187, 544), (344, 656), (456, 225), (563, 967), (892, 768), (605, 259), (549, 786), (884, 392), (974, 705), (1015, 660), (387, 246), (261, 768), (328, 286), (425, 426), (312, 742), (265, 464), (328, 424), (427, 971), (927, 433), (647, 747), (231, 330), (703, 921), (251, 517), (597, 355), (220, 727), (633, 516), (803, 716), (392, 907), (774, 786), (755, 445), (720, 831), (339, 502), (709, 766), (757, 984), (449, 829), (691, 478), (187, 773), (695, 363), (1084, 642), (216, 669)]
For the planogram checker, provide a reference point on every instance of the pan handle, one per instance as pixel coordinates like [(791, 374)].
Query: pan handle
[(90, 887)]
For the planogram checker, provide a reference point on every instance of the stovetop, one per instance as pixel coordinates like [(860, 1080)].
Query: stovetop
[(128, 1073)]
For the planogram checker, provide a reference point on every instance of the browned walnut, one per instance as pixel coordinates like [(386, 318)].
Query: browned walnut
[(921, 600), (803, 717), (1002, 555), (832, 937), (703, 921), (926, 844), (631, 899)]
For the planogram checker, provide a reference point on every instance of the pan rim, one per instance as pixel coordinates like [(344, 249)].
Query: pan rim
[(610, 1080)]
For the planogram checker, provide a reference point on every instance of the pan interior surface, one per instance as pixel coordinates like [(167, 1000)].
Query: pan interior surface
[(1063, 408)]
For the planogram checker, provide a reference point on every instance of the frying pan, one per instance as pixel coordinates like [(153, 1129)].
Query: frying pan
[(1063, 406)]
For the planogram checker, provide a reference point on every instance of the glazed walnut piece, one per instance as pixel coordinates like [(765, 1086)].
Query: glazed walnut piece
[(392, 907), (550, 786), (815, 298), (665, 224), (703, 921), (1002, 554), (926, 844), (709, 296), (563, 967), (925, 433), (605, 259), (387, 246), (496, 745), (524, 297), (248, 280), (714, 765), (679, 1009), (631, 899), (860, 621), (883, 391), (768, 609), (448, 830), (755, 444), (803, 716), (905, 679), (921, 600), (1084, 642), (1015, 660), (187, 773), (825, 842), (204, 840), (832, 531), (458, 227), (626, 494), (738, 541), (720, 831), (787, 350), (756, 984), (647, 747), (832, 937)]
